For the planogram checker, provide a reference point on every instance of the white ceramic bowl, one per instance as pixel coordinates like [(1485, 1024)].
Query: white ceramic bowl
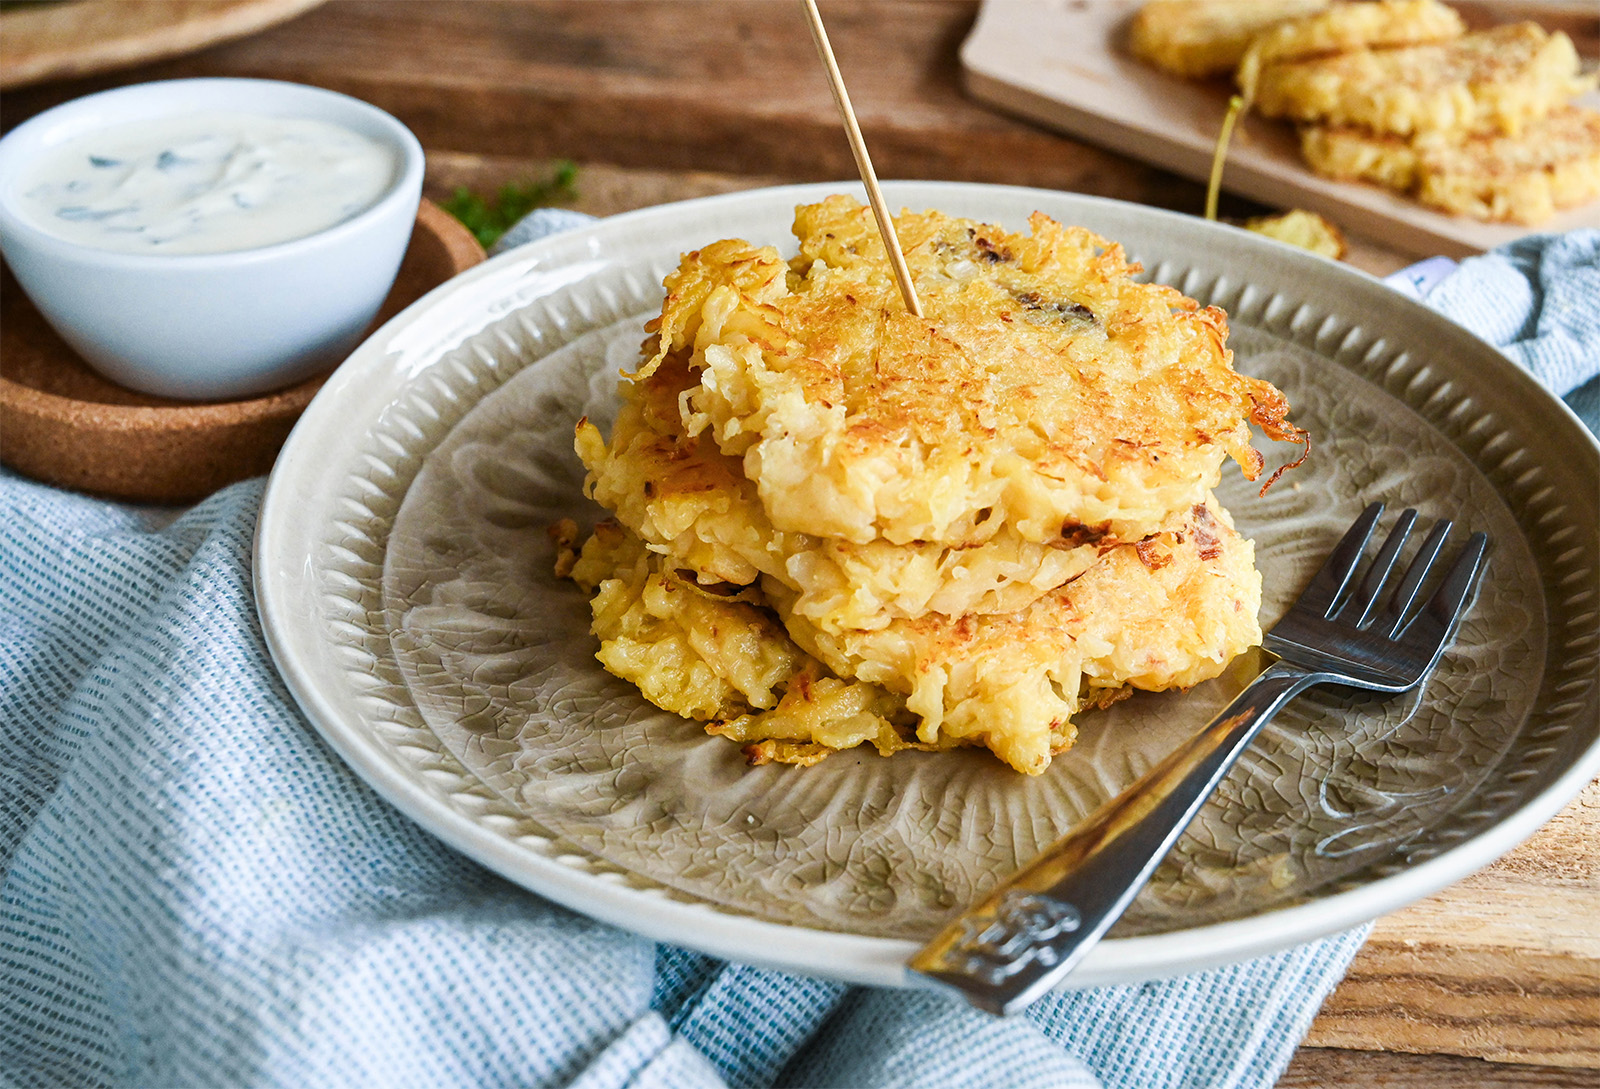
[(221, 325)]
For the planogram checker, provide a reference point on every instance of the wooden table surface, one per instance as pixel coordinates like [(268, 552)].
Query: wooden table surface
[(1495, 982)]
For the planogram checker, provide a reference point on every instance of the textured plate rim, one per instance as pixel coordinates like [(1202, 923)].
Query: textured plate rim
[(853, 958)]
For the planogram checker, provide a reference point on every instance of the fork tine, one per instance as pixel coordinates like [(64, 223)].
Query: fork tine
[(1446, 602), (1327, 584), (1366, 595), (1429, 629), (1406, 593)]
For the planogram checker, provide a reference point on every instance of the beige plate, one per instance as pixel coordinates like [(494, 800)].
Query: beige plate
[(64, 424), (1062, 63), (79, 37), (403, 575)]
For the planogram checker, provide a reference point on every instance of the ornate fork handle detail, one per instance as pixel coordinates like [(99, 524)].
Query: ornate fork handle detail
[(1020, 932)]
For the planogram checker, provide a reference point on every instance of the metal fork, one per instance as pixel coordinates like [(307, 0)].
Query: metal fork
[(1025, 937)]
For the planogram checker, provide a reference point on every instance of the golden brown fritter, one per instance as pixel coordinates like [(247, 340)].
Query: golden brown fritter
[(692, 502), (1301, 228), (843, 525), (1168, 612), (1490, 81), (1197, 38), (1553, 164), (692, 651), (1382, 24), (1045, 386)]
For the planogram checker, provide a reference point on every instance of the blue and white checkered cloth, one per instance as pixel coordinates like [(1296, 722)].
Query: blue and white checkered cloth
[(198, 892)]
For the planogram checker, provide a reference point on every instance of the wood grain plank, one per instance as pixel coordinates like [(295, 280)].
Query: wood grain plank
[(729, 86), (1504, 964), (1333, 1068), (602, 189)]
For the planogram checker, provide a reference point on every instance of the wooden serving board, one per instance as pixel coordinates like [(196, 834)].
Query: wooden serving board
[(79, 37), (1063, 63)]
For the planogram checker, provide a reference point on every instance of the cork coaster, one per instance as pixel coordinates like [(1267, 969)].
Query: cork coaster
[(64, 424)]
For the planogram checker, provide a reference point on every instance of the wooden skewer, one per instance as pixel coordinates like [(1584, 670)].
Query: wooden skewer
[(858, 146)]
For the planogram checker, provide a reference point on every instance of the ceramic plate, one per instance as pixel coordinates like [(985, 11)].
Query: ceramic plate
[(405, 587)]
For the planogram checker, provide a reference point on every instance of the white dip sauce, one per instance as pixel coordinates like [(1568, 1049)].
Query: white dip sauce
[(205, 183)]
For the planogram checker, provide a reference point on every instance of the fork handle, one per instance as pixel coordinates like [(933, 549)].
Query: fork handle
[(1030, 932)]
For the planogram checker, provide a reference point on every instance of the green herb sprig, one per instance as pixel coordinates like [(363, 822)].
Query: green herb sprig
[(490, 218)]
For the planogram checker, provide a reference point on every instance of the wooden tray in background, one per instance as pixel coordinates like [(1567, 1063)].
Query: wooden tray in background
[(1062, 63), (62, 423), (81, 37)]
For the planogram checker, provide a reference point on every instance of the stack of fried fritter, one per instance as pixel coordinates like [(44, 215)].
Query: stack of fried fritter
[(842, 524), (1399, 93)]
